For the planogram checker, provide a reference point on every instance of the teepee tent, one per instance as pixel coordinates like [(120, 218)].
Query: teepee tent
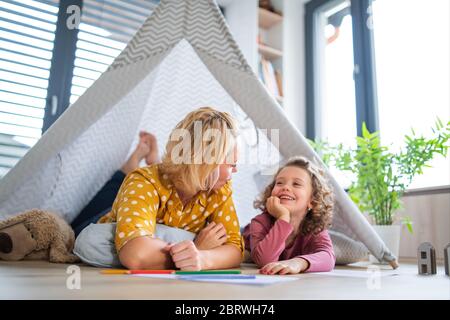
[(183, 57)]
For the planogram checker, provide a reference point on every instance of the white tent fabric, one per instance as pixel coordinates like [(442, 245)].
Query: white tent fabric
[(182, 58)]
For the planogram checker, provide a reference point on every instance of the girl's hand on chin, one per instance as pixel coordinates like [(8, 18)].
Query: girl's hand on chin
[(276, 209)]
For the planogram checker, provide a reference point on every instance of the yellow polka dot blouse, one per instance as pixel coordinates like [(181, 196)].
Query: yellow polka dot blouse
[(147, 197)]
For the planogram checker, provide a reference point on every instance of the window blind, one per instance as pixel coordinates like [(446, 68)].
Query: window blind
[(105, 29), (27, 32)]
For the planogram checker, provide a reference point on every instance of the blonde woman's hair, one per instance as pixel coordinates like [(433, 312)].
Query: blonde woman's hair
[(320, 215), (199, 169)]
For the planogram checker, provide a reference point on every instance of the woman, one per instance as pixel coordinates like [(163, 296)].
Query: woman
[(190, 190)]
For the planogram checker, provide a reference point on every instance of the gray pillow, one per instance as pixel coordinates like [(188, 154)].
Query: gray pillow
[(346, 249), (95, 244)]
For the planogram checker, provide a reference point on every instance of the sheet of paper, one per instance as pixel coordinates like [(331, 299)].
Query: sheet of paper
[(357, 273), (260, 280)]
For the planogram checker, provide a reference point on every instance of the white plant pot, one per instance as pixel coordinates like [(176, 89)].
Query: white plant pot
[(391, 238)]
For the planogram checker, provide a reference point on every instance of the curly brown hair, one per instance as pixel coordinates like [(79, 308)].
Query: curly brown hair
[(321, 214)]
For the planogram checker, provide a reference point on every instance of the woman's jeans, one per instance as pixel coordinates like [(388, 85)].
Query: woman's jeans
[(100, 204)]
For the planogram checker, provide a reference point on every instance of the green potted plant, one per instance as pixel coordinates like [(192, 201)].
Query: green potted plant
[(379, 176)]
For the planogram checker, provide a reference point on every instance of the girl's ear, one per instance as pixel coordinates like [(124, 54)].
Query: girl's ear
[(309, 207)]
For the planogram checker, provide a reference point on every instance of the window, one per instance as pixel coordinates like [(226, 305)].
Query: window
[(332, 72), (412, 50), (105, 29), (336, 85), (398, 54), (27, 32)]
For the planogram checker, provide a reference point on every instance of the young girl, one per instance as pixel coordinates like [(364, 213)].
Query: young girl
[(290, 236)]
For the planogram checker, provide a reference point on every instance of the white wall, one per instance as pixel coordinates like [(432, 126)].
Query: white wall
[(430, 214), (294, 63), (242, 18)]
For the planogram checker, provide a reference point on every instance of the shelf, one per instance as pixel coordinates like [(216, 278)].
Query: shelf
[(270, 30), (269, 53), (268, 19)]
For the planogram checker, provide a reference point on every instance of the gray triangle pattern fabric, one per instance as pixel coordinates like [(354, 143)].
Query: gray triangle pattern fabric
[(160, 32), (207, 31), (199, 22)]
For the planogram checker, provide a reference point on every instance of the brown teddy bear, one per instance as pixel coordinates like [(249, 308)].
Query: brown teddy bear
[(37, 235)]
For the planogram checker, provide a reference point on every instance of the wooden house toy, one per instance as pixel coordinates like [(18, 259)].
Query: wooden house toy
[(426, 256), (446, 259)]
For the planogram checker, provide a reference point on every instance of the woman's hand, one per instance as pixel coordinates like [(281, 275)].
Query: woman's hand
[(292, 266), (210, 237), (186, 256), (276, 209)]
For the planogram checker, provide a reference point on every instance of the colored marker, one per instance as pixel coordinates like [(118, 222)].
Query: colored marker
[(216, 277), (123, 271), (210, 272), (115, 271), (151, 271)]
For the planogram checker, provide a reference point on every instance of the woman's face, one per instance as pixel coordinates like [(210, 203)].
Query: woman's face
[(226, 170)]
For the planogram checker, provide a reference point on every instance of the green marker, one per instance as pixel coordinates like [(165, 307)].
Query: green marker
[(210, 272)]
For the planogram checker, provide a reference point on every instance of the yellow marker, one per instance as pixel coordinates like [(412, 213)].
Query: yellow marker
[(115, 271)]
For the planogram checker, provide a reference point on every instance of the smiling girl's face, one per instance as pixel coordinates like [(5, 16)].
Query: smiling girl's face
[(293, 186)]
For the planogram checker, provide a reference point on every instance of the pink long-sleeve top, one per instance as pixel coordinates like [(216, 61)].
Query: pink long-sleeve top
[(266, 238)]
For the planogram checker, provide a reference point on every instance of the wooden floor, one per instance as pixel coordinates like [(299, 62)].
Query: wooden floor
[(41, 280)]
